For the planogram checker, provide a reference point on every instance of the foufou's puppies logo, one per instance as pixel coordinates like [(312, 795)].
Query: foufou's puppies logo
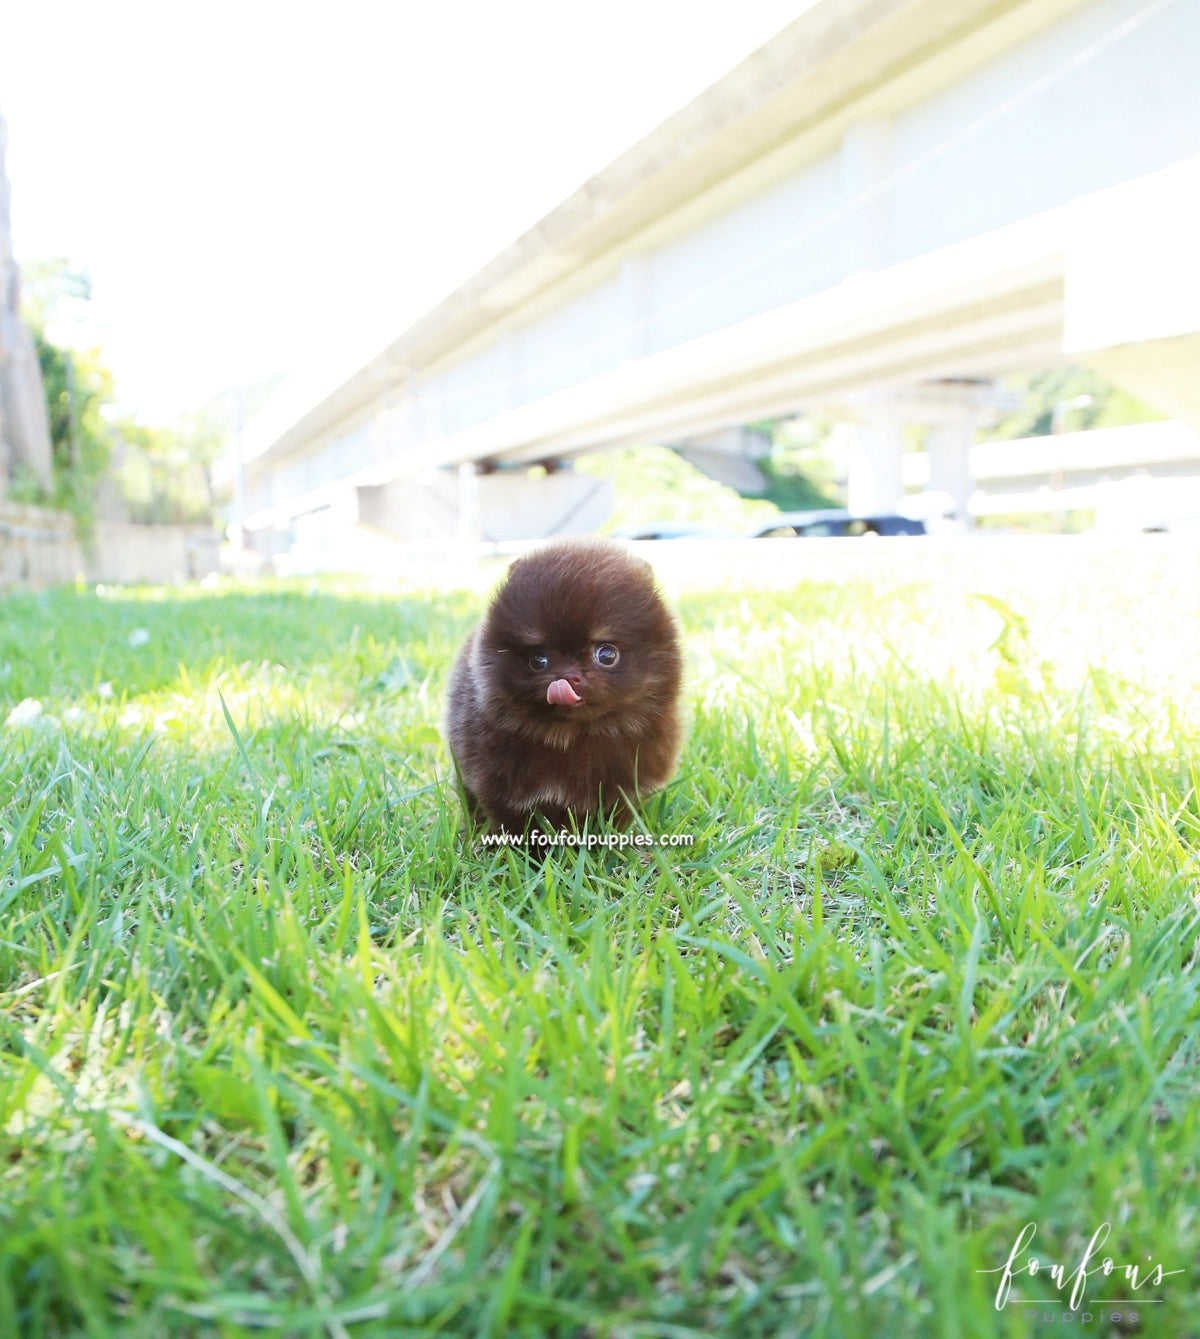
[(1046, 1274)]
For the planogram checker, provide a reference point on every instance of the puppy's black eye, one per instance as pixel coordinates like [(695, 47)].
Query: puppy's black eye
[(539, 661), (606, 654)]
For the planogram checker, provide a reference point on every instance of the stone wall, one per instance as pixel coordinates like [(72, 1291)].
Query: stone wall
[(38, 548), (124, 552)]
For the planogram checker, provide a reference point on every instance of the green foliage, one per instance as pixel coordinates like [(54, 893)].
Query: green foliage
[(78, 389), (799, 471), (280, 1050), (157, 473), (1045, 393), (48, 286), (793, 488), (164, 474), (654, 483)]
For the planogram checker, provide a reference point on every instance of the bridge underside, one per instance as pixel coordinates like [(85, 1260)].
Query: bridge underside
[(833, 228)]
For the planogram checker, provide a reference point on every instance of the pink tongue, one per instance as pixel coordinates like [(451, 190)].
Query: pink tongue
[(561, 694)]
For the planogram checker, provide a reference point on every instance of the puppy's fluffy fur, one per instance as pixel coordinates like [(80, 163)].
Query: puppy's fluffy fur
[(564, 701)]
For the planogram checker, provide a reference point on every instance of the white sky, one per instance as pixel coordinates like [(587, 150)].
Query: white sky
[(260, 186)]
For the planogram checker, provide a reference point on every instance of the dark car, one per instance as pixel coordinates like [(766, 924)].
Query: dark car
[(834, 522), (670, 530)]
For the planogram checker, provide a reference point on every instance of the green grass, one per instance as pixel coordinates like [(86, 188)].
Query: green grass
[(279, 1050)]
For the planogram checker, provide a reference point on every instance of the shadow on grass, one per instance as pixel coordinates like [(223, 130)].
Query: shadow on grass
[(62, 645)]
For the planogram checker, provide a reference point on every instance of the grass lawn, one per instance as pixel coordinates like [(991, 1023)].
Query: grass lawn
[(279, 1050)]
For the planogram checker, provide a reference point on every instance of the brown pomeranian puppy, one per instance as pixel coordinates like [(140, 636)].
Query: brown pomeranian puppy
[(564, 701)]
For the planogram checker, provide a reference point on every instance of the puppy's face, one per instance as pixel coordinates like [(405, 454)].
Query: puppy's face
[(578, 638)]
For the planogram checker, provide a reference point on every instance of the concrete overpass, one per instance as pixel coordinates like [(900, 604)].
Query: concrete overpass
[(888, 206)]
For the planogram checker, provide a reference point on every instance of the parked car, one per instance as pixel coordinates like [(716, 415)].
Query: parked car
[(834, 521), (1165, 525), (671, 530)]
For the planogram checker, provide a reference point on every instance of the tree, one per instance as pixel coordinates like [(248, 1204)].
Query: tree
[(1068, 399), (78, 389), (164, 472), (148, 473)]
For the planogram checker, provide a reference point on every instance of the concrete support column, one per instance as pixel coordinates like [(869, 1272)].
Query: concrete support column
[(875, 484), (950, 411), (948, 444)]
